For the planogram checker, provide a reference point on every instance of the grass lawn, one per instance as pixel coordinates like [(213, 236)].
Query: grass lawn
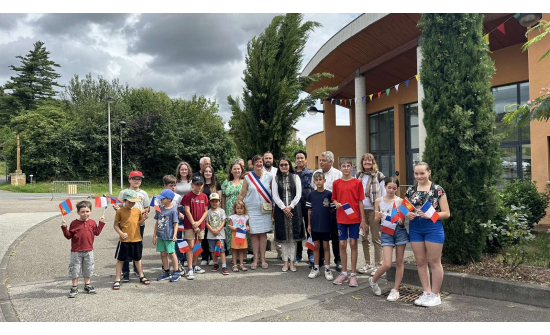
[(538, 253), (98, 189)]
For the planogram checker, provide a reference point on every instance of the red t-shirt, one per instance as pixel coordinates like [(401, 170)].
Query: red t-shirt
[(197, 204), (81, 234), (351, 192)]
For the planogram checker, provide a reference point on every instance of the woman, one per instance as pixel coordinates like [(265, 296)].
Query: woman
[(289, 228), (256, 194), (183, 176), (211, 185), (373, 185), (427, 237), (231, 187)]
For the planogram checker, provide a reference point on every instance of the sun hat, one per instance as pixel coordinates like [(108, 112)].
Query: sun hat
[(131, 196)]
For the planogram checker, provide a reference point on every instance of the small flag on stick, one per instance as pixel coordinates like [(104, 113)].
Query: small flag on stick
[(240, 237), (181, 227), (113, 200), (197, 249), (100, 202), (183, 246), (218, 248), (406, 207), (155, 203), (309, 244), (66, 207), (429, 210), (350, 212)]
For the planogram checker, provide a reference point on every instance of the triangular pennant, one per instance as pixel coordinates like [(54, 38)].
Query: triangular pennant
[(350, 100), (345, 102), (501, 28), (486, 37), (379, 94), (331, 101), (363, 100), (387, 91), (516, 15), (407, 83), (340, 101), (370, 96), (417, 76), (397, 87)]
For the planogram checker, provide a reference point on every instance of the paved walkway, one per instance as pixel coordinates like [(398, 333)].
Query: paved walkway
[(36, 277)]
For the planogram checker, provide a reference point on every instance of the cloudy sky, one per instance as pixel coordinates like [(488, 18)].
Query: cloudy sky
[(180, 54)]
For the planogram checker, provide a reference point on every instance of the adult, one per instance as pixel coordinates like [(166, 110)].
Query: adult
[(306, 177), (183, 186), (203, 162), (373, 185), (326, 160), (427, 237), (211, 185), (250, 165), (256, 194), (231, 187), (289, 227), (268, 163)]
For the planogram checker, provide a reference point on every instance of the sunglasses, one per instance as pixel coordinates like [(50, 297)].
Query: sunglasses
[(283, 165)]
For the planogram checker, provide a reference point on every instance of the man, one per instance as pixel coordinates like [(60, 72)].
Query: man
[(326, 160), (203, 162), (306, 177), (250, 165), (268, 163)]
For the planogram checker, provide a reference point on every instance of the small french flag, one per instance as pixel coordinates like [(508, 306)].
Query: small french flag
[(183, 246), (309, 244), (388, 227), (101, 202), (155, 203), (66, 207), (181, 227), (350, 212), (240, 237), (197, 249), (429, 210)]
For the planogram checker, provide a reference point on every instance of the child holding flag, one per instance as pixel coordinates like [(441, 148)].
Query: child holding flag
[(165, 234), (239, 225), (215, 222), (81, 232), (347, 196), (426, 231), (394, 234)]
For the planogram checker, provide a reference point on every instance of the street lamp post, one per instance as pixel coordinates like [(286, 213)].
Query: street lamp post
[(109, 100), (122, 125), (312, 111)]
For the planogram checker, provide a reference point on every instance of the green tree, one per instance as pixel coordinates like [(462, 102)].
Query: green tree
[(291, 148), (271, 102), (459, 118), (34, 82)]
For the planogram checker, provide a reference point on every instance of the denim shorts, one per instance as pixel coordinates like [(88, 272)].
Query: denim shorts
[(421, 230), (400, 237), (212, 245), (348, 230)]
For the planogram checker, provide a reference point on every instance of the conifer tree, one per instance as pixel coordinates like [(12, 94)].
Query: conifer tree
[(461, 147)]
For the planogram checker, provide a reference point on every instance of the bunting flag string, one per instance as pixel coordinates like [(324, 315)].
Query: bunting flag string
[(500, 27)]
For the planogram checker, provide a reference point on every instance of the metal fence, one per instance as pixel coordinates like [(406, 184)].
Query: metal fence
[(65, 189)]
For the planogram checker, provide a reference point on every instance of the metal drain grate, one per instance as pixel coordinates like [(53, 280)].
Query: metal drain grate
[(410, 294)]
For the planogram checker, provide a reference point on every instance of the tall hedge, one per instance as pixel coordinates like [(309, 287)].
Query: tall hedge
[(461, 147)]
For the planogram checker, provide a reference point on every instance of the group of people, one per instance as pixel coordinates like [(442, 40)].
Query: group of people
[(295, 203)]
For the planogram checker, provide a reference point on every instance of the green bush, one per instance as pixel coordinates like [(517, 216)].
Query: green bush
[(525, 193)]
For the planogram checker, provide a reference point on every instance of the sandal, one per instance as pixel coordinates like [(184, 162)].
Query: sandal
[(144, 280), (253, 266), (235, 268), (243, 268), (265, 265), (116, 285)]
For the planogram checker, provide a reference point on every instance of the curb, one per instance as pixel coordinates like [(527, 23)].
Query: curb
[(482, 287), (5, 303)]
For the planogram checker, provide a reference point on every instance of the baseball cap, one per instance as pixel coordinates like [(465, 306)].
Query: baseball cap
[(214, 196), (197, 179), (131, 196), (136, 174), (166, 194)]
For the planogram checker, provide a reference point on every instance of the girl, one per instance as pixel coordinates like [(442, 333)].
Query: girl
[(383, 207), (427, 237), (183, 186), (239, 219), (211, 185)]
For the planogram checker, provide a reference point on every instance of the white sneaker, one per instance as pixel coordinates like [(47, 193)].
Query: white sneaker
[(190, 275), (314, 273), (211, 262), (394, 295), (374, 286), (328, 275), (432, 300), (199, 270), (204, 262), (366, 269), (421, 299), (182, 271)]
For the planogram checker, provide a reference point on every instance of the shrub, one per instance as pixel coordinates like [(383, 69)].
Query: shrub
[(524, 193)]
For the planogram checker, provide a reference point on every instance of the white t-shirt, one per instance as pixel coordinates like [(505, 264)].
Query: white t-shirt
[(215, 219), (367, 204), (238, 221), (332, 175), (273, 170)]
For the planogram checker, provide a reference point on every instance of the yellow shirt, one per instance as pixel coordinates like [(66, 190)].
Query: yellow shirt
[(129, 223)]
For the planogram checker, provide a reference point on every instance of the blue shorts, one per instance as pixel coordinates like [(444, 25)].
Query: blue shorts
[(348, 230), (400, 237), (421, 230), (212, 245)]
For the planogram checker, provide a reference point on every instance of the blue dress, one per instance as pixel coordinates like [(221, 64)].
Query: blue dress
[(259, 223)]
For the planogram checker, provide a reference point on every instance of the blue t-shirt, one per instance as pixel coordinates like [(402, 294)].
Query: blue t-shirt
[(166, 219), (320, 204)]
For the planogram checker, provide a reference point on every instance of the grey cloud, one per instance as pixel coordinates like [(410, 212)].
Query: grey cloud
[(76, 24), (19, 47), (9, 21)]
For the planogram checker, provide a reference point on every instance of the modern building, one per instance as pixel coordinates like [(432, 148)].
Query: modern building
[(375, 60)]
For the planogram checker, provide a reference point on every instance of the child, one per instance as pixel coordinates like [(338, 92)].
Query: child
[(166, 230), (348, 192), (196, 210), (319, 214), (215, 222), (383, 207), (239, 219), (135, 178), (128, 220), (81, 233), (170, 182)]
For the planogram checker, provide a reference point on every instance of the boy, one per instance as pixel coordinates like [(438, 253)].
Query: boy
[(128, 220), (320, 221), (135, 178), (215, 222), (348, 195), (166, 232), (170, 182), (196, 210), (81, 233)]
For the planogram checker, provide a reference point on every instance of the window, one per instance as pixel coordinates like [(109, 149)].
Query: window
[(516, 145), (411, 140), (342, 116), (381, 140)]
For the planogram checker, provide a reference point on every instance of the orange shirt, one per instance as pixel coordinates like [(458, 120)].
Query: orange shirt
[(129, 223)]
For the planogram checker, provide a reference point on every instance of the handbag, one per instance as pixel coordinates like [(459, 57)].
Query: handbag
[(266, 208)]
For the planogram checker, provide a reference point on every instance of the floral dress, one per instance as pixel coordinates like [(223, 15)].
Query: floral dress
[(419, 198), (231, 193)]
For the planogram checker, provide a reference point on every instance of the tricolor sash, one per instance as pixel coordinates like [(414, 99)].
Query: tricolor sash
[(255, 180)]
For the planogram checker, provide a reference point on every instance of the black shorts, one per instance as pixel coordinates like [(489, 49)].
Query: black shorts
[(317, 236), (129, 251)]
